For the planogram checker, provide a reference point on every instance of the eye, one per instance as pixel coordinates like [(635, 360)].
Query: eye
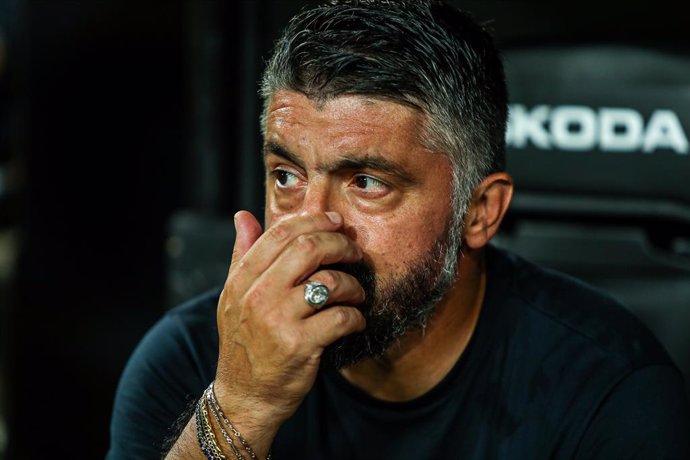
[(285, 179), (369, 184)]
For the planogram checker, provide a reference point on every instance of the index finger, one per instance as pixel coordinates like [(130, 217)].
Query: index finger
[(262, 252)]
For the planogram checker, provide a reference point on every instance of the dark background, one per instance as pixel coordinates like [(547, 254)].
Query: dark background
[(129, 137)]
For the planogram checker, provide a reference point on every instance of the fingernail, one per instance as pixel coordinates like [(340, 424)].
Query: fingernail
[(334, 217)]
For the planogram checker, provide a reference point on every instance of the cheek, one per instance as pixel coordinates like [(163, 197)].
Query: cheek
[(392, 243)]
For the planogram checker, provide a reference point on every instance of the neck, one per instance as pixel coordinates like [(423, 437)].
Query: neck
[(405, 371)]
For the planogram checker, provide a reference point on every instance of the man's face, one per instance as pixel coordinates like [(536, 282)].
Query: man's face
[(363, 158)]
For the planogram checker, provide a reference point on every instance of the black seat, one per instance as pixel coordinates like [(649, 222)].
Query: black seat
[(598, 147)]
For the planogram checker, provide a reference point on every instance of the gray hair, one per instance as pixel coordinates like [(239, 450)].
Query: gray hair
[(421, 53)]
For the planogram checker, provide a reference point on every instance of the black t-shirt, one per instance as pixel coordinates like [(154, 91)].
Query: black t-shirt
[(554, 370)]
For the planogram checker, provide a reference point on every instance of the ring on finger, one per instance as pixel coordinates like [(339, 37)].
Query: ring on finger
[(316, 294)]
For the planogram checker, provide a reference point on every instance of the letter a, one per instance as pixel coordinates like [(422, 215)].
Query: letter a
[(665, 131)]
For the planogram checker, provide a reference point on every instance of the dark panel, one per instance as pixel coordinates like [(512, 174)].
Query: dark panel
[(106, 100)]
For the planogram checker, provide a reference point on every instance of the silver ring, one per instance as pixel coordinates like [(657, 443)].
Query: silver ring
[(316, 294)]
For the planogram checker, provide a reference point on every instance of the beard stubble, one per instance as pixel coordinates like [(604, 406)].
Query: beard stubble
[(397, 306)]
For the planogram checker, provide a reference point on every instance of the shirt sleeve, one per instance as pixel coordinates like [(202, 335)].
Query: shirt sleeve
[(646, 416), (165, 375)]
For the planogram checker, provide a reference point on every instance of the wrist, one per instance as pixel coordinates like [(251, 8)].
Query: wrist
[(257, 421)]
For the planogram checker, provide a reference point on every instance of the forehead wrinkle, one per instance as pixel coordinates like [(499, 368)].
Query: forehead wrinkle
[(346, 127), (351, 107)]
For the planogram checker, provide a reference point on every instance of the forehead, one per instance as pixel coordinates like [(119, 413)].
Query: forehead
[(342, 120)]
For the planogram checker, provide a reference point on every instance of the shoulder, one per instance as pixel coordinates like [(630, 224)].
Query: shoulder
[(185, 336), (646, 416), (196, 315), (169, 368), (581, 362), (570, 306)]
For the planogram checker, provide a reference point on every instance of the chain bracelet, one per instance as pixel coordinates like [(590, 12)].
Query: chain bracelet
[(210, 436), (214, 403), (205, 435), (201, 437), (225, 434)]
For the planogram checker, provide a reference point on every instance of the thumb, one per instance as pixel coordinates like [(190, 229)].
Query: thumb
[(247, 231)]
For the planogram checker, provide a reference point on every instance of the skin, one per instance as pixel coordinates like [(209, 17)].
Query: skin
[(346, 181)]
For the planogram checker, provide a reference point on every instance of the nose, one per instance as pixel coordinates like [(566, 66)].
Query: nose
[(318, 197), (324, 195)]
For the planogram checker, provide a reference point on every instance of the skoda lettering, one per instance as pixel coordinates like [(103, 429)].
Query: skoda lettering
[(582, 128)]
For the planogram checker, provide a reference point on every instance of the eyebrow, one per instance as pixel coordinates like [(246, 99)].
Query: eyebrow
[(278, 150), (374, 162)]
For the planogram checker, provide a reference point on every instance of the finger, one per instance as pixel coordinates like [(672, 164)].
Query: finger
[(247, 231), (344, 289), (271, 244), (333, 323), (307, 253)]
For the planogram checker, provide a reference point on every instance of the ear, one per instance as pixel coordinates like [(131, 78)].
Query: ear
[(487, 207)]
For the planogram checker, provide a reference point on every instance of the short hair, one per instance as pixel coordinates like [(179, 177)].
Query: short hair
[(422, 53)]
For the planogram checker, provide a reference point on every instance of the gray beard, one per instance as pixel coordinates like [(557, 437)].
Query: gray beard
[(404, 304)]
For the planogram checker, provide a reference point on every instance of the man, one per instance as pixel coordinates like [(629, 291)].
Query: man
[(371, 319)]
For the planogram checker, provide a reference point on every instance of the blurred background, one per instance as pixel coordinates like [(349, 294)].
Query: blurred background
[(129, 137)]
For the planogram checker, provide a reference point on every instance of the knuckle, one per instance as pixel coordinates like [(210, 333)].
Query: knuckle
[(306, 243), (317, 220), (290, 345), (341, 317), (254, 298), (231, 289), (223, 301), (279, 232), (243, 265), (272, 321)]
